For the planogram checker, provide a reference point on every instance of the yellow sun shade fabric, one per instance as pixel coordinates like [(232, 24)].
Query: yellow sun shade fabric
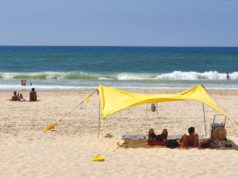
[(114, 100)]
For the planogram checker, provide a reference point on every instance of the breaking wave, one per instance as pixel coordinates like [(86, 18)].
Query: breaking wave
[(175, 75)]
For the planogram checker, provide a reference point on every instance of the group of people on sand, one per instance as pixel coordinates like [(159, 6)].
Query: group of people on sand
[(190, 140), (19, 97)]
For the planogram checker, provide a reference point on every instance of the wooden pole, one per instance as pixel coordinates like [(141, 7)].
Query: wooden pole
[(204, 118), (99, 118)]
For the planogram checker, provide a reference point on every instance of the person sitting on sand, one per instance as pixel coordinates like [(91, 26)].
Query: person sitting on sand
[(20, 96), (191, 139), (17, 97), (14, 97), (33, 95)]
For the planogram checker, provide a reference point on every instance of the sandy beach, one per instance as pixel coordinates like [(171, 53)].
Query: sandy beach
[(66, 151)]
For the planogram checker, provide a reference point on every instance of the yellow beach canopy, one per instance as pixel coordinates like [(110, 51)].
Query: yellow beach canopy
[(114, 100)]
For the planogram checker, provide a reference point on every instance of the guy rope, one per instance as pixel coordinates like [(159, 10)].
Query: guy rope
[(52, 126)]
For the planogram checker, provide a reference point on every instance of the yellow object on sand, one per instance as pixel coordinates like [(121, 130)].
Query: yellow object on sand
[(114, 100), (98, 158), (89, 96), (49, 127)]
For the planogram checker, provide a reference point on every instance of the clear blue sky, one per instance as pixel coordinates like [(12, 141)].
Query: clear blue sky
[(119, 22)]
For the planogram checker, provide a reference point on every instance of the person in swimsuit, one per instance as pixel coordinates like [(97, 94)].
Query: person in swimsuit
[(151, 136), (160, 139), (14, 97), (17, 97), (33, 95), (227, 76), (191, 139)]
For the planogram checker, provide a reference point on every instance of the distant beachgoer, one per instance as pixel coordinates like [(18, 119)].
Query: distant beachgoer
[(23, 83), (14, 97), (21, 97), (17, 97), (30, 84), (227, 76), (33, 95), (191, 139)]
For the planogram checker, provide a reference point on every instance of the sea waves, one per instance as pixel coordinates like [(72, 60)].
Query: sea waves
[(175, 75)]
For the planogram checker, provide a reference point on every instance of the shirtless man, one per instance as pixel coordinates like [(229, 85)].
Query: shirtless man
[(14, 97), (191, 139), (33, 95)]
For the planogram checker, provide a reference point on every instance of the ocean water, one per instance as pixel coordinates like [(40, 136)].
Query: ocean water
[(84, 68)]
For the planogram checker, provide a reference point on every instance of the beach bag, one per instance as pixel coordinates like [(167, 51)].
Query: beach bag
[(209, 144), (172, 143), (213, 143), (205, 145)]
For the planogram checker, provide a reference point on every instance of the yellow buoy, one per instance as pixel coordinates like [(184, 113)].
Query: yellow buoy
[(98, 158), (49, 127)]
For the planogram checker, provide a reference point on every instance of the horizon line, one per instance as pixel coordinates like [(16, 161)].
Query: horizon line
[(115, 46)]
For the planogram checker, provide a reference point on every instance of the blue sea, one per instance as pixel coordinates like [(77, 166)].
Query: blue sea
[(66, 68)]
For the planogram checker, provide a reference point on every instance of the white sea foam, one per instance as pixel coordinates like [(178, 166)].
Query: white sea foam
[(135, 76), (19, 88), (209, 75), (175, 75), (104, 78)]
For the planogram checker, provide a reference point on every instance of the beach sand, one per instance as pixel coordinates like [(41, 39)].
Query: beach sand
[(66, 151)]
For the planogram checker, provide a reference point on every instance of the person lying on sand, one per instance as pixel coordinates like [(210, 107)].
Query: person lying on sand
[(165, 135), (191, 139), (17, 97), (33, 95), (160, 139), (151, 136)]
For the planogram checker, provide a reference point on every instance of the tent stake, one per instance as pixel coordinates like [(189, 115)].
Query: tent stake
[(204, 120)]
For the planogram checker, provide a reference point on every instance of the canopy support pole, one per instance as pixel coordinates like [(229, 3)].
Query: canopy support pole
[(204, 118), (146, 110), (99, 118)]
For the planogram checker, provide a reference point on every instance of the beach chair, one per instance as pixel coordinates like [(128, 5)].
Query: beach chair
[(152, 108)]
